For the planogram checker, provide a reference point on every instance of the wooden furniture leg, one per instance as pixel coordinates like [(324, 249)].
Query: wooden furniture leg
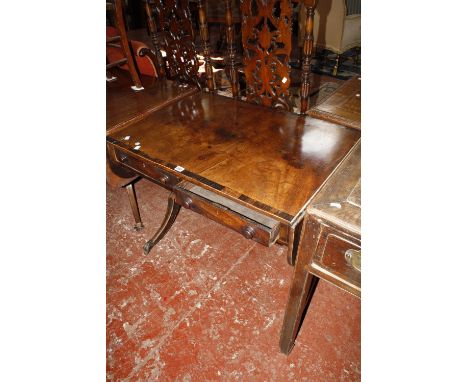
[(231, 50), (171, 214), (337, 65), (307, 54), (161, 66), (134, 204), (132, 68), (302, 288), (293, 243), (205, 39)]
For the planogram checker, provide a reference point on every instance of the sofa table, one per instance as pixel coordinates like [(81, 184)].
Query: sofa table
[(251, 168), (330, 245)]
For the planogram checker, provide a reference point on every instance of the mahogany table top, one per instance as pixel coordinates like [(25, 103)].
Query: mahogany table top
[(343, 106), (269, 160), (124, 106)]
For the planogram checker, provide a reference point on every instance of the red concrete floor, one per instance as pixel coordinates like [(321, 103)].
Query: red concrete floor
[(207, 305)]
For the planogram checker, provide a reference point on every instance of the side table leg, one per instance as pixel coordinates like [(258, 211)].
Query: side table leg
[(302, 287), (171, 214), (134, 204), (293, 243)]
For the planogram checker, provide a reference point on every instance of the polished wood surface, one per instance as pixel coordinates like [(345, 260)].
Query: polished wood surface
[(343, 106), (330, 244), (269, 160), (124, 106)]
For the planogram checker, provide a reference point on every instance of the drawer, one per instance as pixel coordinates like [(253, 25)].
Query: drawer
[(339, 262), (146, 168), (250, 224)]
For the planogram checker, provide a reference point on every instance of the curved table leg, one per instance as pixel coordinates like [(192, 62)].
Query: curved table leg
[(171, 214)]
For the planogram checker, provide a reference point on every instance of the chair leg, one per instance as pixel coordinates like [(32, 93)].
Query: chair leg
[(134, 204), (171, 214), (302, 288), (337, 64), (125, 43)]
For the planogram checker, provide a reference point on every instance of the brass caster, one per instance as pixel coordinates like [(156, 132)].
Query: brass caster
[(138, 226), (148, 246)]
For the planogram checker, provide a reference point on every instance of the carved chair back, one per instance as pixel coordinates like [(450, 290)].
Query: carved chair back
[(171, 31), (267, 44), (266, 41)]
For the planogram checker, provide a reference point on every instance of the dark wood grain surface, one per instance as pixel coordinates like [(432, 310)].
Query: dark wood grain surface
[(343, 106), (269, 160), (124, 106)]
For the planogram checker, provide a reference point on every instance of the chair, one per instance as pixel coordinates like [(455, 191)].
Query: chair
[(216, 14), (267, 44), (144, 59), (116, 7), (171, 32)]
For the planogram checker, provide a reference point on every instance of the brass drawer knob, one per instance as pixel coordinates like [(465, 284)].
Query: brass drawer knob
[(248, 232), (353, 258)]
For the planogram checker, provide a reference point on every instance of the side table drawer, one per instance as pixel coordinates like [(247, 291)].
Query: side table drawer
[(339, 262), (146, 168), (263, 230)]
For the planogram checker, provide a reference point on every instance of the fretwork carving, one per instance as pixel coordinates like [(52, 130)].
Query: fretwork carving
[(175, 35), (266, 39)]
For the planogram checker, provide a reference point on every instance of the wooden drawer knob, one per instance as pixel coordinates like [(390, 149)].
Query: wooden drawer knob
[(248, 232), (164, 178), (187, 202)]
